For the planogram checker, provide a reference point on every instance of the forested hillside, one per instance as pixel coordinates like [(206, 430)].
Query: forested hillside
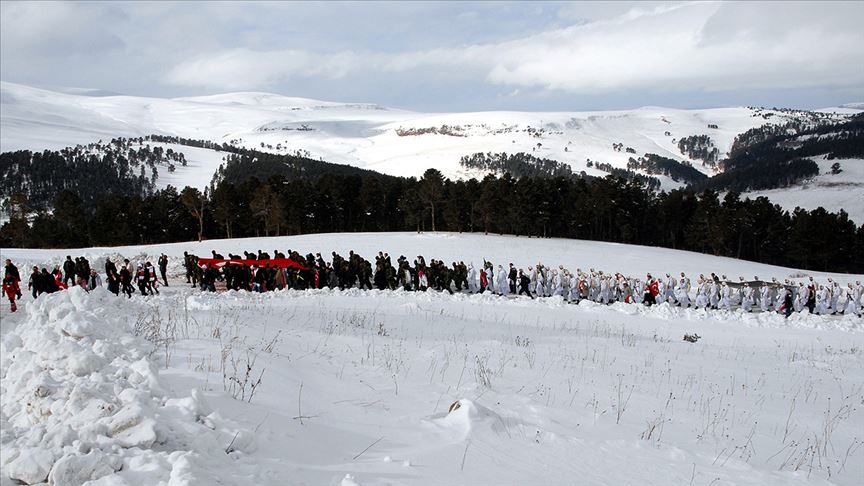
[(773, 156)]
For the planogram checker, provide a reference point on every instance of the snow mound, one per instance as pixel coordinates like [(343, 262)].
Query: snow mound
[(464, 417), (349, 480), (81, 400)]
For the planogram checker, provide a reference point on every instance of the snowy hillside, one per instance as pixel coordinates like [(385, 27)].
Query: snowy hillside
[(389, 141), (400, 142), (380, 387), (833, 192)]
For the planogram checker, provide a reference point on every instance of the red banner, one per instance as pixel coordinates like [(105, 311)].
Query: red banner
[(274, 262)]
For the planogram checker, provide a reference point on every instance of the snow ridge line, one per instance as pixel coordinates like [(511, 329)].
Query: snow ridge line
[(80, 400)]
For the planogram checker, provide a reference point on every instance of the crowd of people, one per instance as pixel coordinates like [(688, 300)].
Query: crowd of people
[(536, 281), (259, 272), (78, 272)]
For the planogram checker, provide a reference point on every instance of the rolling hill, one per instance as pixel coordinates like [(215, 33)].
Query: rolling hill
[(405, 143)]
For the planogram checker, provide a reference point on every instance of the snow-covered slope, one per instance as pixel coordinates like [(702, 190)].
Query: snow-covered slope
[(833, 192), (361, 387), (362, 134), (365, 135)]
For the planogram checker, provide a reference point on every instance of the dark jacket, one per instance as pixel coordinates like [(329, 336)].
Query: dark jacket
[(12, 270)]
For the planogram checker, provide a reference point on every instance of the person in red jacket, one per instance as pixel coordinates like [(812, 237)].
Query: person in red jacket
[(58, 279), (11, 289), (651, 291), (11, 270)]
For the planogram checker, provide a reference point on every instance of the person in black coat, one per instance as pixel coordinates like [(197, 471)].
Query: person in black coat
[(142, 277), (209, 278), (380, 276), (35, 283), (112, 278), (126, 281), (163, 267), (68, 270), (187, 264), (11, 269), (82, 269), (524, 284), (48, 283)]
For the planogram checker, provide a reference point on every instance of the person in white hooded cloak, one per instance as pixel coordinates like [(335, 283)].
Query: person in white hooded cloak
[(565, 285), (670, 289), (575, 291), (858, 295), (800, 298), (503, 283), (490, 278), (604, 290), (638, 291), (540, 285), (765, 297), (842, 296), (725, 297), (593, 287), (473, 283), (682, 293), (557, 283), (738, 293), (780, 299), (835, 289), (713, 293), (823, 300), (747, 297), (852, 306), (702, 294)]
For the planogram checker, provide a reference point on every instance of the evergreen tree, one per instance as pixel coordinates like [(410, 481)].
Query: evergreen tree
[(195, 202), (432, 191)]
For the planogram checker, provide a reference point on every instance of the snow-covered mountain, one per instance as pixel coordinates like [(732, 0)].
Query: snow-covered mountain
[(388, 140)]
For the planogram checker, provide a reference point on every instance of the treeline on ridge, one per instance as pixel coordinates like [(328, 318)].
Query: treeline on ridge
[(605, 209), (774, 156), (87, 170), (517, 165), (677, 171)]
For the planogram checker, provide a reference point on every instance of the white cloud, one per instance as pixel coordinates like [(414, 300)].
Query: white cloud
[(58, 29), (447, 55), (244, 69), (701, 46)]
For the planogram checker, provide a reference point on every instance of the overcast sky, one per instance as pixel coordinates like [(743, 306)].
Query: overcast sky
[(448, 56)]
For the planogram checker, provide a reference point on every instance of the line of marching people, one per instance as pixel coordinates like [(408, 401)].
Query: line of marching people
[(537, 281), (313, 272)]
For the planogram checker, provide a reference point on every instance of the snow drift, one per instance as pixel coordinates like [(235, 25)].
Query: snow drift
[(81, 401)]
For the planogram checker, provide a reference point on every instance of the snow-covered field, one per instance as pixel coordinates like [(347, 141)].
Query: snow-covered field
[(355, 386)]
